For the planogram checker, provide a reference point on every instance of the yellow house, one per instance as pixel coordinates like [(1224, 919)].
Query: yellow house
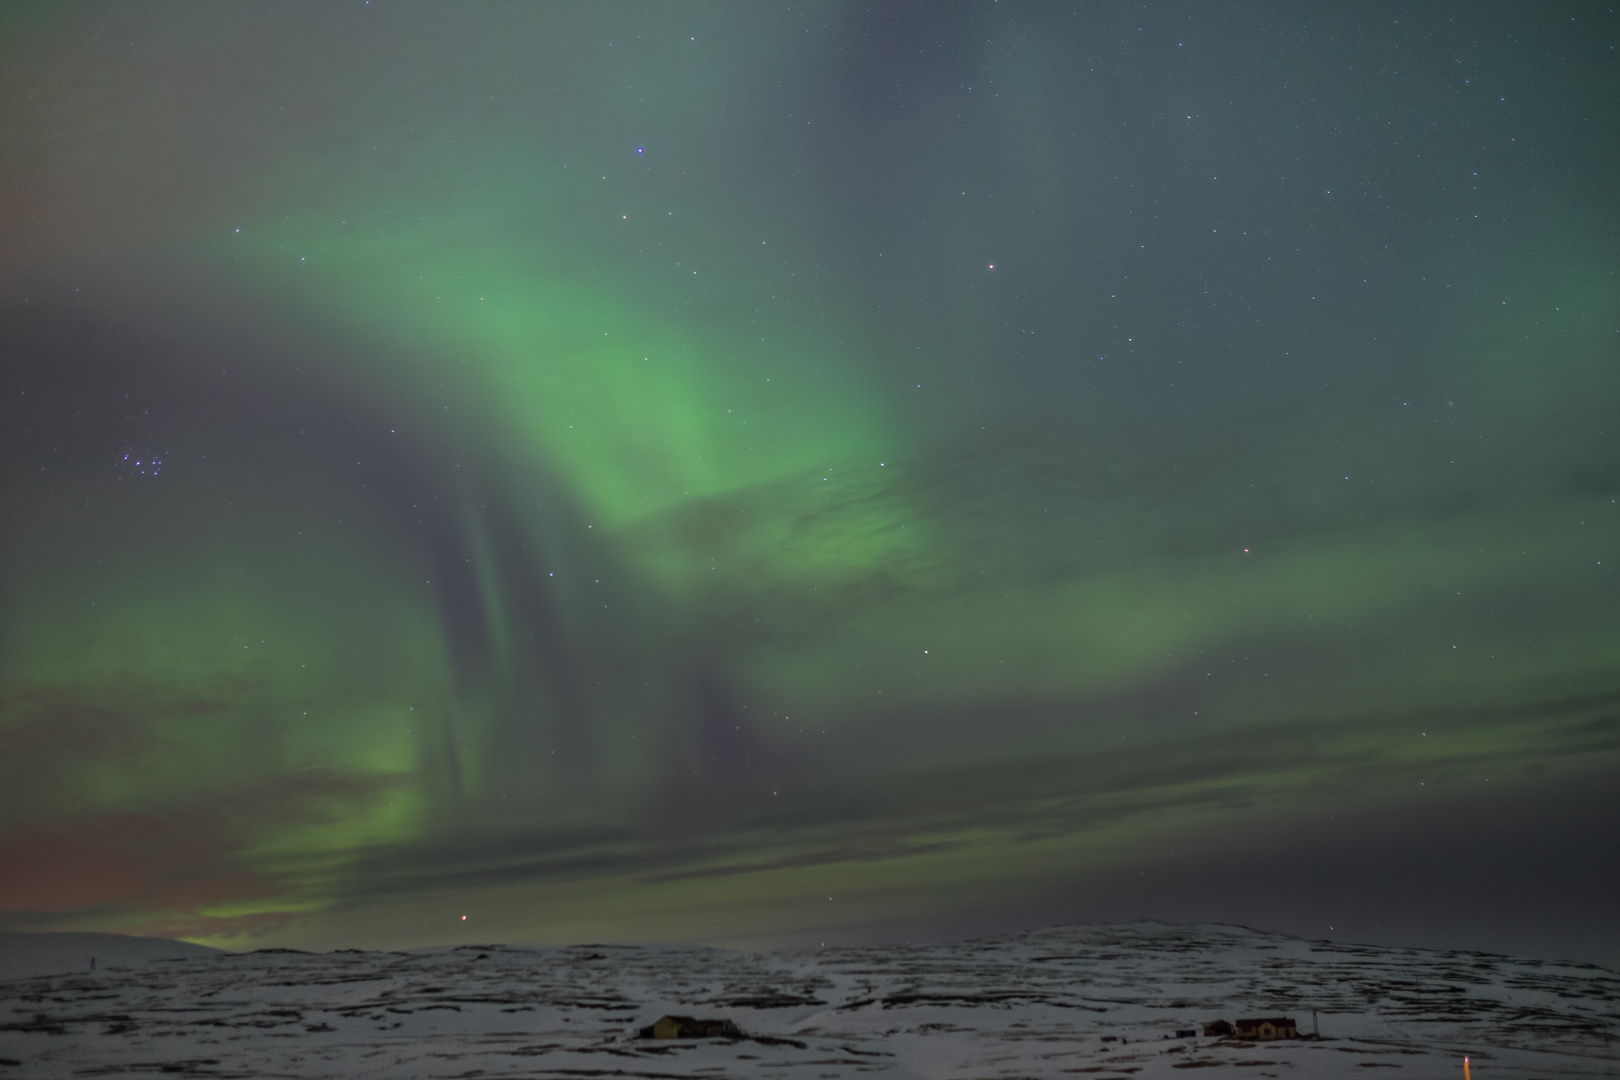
[(1264, 1029), (684, 1027)]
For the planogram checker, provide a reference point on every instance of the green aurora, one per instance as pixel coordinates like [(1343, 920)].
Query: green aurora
[(736, 473)]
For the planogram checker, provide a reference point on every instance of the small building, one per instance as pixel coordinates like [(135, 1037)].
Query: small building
[(1186, 1033), (685, 1027), (1266, 1028), (1218, 1029)]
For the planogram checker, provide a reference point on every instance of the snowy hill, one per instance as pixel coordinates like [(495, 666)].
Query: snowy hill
[(1095, 1001), (23, 955)]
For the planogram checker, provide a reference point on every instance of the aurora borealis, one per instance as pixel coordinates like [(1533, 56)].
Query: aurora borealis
[(762, 472)]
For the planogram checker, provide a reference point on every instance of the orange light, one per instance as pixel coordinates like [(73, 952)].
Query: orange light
[(464, 918), (1465, 1069)]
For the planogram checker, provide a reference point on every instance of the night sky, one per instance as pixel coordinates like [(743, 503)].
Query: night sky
[(782, 473)]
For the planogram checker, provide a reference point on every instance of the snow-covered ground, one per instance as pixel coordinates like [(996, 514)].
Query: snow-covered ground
[(1092, 1001)]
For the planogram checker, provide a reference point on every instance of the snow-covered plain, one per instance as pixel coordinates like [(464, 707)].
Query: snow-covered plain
[(1036, 1004)]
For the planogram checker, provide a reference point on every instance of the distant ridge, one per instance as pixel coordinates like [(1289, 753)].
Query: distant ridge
[(24, 955)]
